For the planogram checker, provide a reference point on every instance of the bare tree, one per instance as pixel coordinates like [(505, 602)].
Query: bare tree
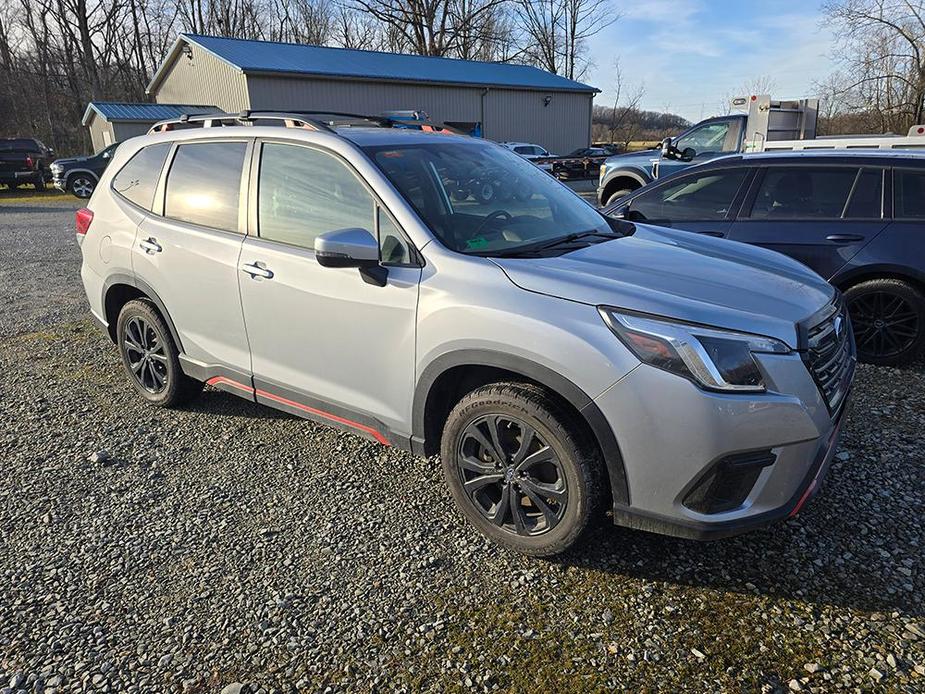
[(881, 52), (623, 126), (557, 32)]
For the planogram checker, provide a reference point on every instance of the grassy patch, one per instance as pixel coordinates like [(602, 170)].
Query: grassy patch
[(29, 196)]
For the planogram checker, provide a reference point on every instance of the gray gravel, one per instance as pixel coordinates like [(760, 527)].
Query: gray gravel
[(228, 547)]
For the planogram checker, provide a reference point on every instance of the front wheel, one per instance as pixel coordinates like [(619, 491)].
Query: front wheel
[(521, 468), (150, 356), (888, 317), (81, 186)]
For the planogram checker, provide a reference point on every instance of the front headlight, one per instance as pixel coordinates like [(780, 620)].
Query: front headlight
[(712, 358)]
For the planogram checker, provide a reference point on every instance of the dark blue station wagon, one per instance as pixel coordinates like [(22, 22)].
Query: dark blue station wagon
[(856, 218)]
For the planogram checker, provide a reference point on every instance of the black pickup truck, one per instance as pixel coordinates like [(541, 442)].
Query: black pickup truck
[(24, 160), (78, 175)]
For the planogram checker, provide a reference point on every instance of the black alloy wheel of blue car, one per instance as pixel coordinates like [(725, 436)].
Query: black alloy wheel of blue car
[(888, 318)]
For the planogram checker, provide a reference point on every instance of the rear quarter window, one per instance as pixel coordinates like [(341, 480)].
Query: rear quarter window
[(137, 180), (909, 192)]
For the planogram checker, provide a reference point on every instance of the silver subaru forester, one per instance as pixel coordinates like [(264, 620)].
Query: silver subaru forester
[(439, 293)]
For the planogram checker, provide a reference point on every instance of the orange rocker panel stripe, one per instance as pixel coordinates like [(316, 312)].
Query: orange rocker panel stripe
[(222, 380)]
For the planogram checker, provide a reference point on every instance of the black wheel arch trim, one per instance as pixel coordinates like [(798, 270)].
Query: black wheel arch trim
[(543, 375), (863, 273), (639, 175), (148, 291)]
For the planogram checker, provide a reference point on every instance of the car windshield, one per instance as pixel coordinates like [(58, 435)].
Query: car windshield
[(483, 199)]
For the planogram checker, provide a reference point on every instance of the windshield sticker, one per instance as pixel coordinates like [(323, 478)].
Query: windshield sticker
[(477, 242)]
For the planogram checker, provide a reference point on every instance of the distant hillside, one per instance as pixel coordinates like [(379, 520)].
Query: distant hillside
[(631, 125)]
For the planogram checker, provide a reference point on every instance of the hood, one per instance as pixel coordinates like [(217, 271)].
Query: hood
[(681, 275), (642, 156), (70, 160)]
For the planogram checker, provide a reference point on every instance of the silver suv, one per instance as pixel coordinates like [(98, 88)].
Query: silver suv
[(558, 361)]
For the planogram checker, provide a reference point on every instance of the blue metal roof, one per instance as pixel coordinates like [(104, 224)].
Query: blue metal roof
[(117, 111), (291, 58)]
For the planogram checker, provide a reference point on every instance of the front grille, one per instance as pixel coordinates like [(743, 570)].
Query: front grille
[(830, 355)]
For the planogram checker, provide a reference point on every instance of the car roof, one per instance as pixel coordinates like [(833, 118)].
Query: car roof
[(875, 157), (366, 137)]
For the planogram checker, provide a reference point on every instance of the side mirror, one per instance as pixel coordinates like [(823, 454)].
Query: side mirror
[(688, 154), (666, 147), (621, 211), (351, 248)]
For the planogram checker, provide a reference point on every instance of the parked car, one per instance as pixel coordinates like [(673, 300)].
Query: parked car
[(584, 162), (24, 160), (79, 175), (531, 152), (856, 218), (557, 360)]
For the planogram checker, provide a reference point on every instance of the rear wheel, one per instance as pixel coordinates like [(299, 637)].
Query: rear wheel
[(888, 317), (150, 356), (521, 468), (40, 183), (81, 185)]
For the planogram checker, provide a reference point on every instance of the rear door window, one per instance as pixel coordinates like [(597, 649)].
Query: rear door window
[(909, 191), (204, 184), (137, 180), (803, 193), (703, 197)]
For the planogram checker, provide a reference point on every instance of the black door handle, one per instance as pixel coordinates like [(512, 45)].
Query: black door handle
[(717, 234), (843, 238)]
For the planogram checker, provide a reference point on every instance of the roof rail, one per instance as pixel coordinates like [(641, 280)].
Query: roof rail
[(311, 120), (222, 119)]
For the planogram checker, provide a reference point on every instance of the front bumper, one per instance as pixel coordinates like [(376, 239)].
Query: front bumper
[(673, 436), (59, 181)]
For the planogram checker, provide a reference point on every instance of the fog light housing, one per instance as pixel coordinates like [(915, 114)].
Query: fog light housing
[(727, 484)]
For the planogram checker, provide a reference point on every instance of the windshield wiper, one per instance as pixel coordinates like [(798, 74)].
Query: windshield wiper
[(573, 237)]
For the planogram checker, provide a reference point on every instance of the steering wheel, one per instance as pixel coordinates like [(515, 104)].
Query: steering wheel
[(497, 214)]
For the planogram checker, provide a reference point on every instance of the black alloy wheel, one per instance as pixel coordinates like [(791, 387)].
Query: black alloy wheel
[(145, 352), (888, 318), (513, 477), (522, 467), (150, 356)]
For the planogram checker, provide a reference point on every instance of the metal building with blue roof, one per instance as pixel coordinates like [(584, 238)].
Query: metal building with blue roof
[(505, 101), (111, 121)]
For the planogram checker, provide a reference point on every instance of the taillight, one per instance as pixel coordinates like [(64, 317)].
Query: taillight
[(29, 161), (84, 217)]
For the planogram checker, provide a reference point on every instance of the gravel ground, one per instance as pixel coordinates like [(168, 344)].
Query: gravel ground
[(228, 547)]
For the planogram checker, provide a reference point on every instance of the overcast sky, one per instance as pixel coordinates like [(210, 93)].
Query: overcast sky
[(690, 53)]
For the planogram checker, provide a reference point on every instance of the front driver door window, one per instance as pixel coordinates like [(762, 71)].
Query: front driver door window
[(697, 202), (323, 336)]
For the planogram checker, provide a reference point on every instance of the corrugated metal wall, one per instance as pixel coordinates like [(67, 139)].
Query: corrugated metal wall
[(562, 125), (506, 114), (203, 80)]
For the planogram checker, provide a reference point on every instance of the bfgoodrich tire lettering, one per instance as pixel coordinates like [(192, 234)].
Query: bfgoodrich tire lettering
[(150, 356), (521, 469)]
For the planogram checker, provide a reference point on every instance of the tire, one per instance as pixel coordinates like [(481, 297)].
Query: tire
[(571, 469), (81, 186), (40, 183), (888, 317), (616, 195), (157, 378), (484, 192)]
